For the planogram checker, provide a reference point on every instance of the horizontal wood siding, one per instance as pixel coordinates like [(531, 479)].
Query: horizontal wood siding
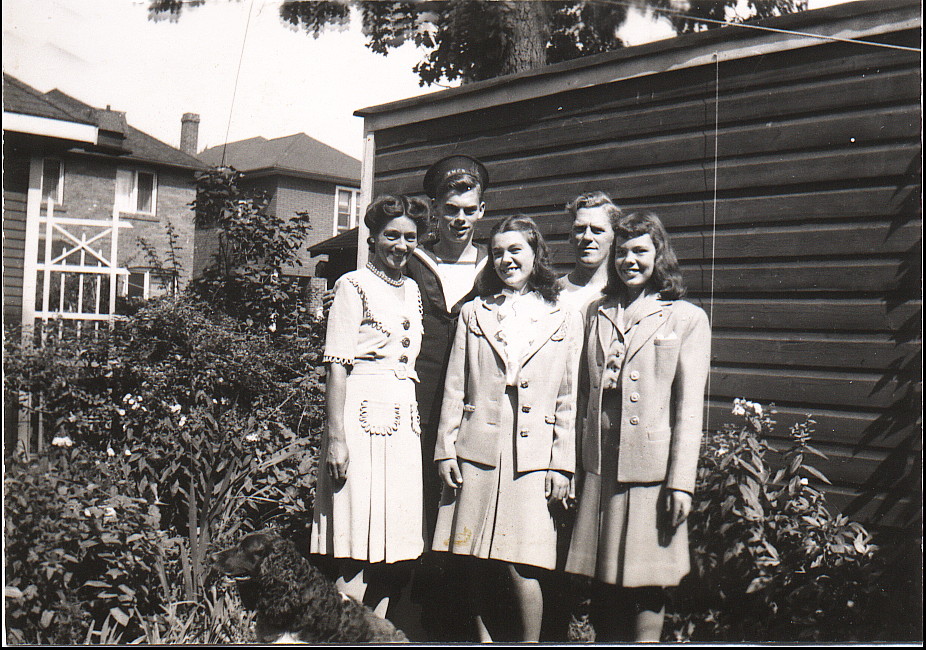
[(808, 261), (14, 240)]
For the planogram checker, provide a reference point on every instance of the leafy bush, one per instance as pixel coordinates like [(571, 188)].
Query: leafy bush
[(772, 563), (215, 422)]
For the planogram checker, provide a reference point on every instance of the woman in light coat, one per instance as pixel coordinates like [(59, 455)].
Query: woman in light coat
[(644, 369), (506, 441)]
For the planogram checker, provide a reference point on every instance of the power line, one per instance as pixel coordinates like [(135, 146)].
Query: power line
[(231, 108), (764, 28)]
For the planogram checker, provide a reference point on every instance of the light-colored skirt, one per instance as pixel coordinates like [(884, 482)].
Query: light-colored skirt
[(376, 514), (620, 536), (499, 513)]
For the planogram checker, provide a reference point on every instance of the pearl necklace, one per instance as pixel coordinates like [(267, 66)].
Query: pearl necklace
[(385, 278)]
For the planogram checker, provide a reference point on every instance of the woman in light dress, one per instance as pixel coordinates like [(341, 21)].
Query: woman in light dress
[(368, 504), (506, 440), (644, 369)]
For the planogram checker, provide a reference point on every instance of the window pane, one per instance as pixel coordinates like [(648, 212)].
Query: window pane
[(356, 209), (51, 176), (145, 192), (124, 181), (344, 209), (136, 285)]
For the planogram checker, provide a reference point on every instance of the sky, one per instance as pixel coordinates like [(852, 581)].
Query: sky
[(107, 52)]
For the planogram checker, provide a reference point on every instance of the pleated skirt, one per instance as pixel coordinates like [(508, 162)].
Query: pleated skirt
[(499, 513), (377, 514), (621, 534)]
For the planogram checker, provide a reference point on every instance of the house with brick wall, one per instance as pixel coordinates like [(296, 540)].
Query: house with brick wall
[(299, 174), (95, 210)]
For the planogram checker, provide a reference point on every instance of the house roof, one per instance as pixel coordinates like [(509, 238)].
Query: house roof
[(26, 100), (346, 240), (133, 144), (294, 155)]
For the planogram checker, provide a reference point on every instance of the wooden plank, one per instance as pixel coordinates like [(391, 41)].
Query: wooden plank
[(830, 314), (825, 351), (816, 388), (800, 241), (738, 173), (760, 108), (841, 499), (773, 277), (895, 203), (843, 467), (849, 428), (472, 114)]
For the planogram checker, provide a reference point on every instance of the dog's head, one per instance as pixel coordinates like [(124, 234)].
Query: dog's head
[(242, 561)]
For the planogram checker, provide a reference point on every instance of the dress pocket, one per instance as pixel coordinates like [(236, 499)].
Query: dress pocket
[(380, 418)]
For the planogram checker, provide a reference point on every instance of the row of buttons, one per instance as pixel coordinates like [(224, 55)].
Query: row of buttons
[(634, 397)]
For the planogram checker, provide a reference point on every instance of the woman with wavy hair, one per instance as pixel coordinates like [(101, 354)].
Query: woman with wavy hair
[(641, 393), (506, 441), (369, 504)]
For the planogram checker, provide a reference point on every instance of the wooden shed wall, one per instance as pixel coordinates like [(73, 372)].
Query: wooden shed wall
[(815, 264), (15, 187)]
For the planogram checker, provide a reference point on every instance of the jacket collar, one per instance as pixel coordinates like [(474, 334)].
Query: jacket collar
[(435, 289), (550, 321), (649, 319)]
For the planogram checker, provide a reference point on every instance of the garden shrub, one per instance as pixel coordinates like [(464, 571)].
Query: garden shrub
[(771, 561), (78, 548)]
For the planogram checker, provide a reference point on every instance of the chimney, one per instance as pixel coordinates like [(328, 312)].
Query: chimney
[(189, 133)]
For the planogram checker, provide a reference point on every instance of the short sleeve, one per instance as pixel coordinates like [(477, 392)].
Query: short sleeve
[(344, 320)]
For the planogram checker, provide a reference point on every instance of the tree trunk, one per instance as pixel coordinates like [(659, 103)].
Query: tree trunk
[(529, 28)]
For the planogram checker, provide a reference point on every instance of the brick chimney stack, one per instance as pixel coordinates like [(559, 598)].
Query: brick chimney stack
[(189, 133)]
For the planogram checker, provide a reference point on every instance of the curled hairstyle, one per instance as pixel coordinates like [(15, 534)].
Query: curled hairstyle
[(387, 207), (542, 278), (595, 200), (667, 277)]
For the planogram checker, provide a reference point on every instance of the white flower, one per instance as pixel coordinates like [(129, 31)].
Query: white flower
[(757, 408), (182, 420), (110, 452), (739, 406), (127, 452), (109, 511), (804, 481), (252, 437), (127, 397), (120, 411), (62, 441), (175, 408)]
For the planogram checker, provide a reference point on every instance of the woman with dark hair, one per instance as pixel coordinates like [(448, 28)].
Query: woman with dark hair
[(506, 440), (641, 393), (368, 503)]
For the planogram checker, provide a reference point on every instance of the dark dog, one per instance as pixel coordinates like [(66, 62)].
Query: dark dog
[(293, 601)]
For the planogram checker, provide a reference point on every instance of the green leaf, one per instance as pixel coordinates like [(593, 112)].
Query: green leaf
[(817, 473), (47, 616)]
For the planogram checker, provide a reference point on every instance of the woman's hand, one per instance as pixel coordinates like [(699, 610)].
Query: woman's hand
[(556, 486), (338, 459), (449, 470), (678, 506)]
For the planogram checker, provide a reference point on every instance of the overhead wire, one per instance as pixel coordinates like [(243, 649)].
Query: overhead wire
[(231, 107), (764, 28)]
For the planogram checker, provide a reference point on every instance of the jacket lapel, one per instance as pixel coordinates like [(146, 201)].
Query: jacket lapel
[(550, 323), (487, 318), (607, 322), (650, 322), (429, 280)]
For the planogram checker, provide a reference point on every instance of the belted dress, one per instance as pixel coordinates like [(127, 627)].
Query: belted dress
[(376, 514)]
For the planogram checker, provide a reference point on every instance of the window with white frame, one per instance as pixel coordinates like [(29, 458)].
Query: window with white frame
[(52, 180), (346, 209), (136, 191), (148, 283)]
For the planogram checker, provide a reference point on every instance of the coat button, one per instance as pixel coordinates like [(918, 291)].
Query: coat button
[(524, 383), (634, 420), (634, 397), (406, 342), (634, 375), (403, 359), (406, 323), (526, 408), (523, 433)]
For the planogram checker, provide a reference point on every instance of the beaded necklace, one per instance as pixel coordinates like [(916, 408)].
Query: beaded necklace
[(385, 278)]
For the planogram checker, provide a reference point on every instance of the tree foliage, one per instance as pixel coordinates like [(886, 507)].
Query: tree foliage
[(472, 40)]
